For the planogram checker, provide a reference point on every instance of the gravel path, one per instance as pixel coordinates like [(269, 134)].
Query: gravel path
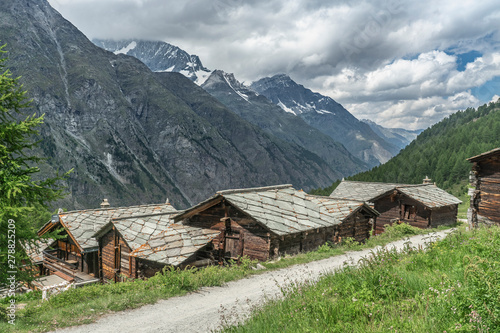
[(206, 309)]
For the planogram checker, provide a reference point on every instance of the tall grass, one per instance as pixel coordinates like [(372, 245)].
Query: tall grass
[(454, 286), (84, 305)]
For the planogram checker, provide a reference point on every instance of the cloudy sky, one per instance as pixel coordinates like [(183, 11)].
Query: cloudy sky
[(400, 63)]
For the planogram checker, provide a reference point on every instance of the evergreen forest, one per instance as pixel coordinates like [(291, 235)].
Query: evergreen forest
[(440, 152)]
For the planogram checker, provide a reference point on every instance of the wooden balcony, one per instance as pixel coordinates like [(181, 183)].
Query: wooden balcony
[(66, 269)]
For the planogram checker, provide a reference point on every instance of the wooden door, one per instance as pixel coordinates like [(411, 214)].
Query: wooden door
[(233, 245)]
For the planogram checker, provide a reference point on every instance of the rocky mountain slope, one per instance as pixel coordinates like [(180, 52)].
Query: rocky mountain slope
[(132, 135), (328, 116), (322, 113), (399, 137), (260, 111), (159, 57)]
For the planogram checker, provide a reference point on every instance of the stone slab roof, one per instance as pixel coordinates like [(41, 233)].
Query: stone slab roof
[(363, 191), (83, 224), (138, 230), (34, 249), (282, 209), (428, 194), (341, 209), (175, 244)]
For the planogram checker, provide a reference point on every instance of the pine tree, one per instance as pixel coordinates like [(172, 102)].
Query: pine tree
[(20, 195)]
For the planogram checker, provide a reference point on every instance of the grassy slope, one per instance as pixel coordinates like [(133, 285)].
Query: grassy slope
[(86, 304), (452, 287), (440, 152)]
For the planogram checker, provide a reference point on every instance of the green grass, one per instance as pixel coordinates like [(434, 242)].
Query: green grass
[(463, 207), (454, 286), (84, 305)]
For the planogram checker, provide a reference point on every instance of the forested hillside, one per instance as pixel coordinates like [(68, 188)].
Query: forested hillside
[(440, 152)]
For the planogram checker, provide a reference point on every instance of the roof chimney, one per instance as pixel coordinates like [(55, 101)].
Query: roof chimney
[(167, 202), (105, 203), (427, 180)]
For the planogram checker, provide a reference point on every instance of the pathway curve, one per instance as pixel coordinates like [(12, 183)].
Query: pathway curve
[(205, 309)]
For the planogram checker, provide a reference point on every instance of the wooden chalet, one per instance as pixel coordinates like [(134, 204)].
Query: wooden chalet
[(139, 246), (485, 199), (76, 256), (264, 222), (420, 205)]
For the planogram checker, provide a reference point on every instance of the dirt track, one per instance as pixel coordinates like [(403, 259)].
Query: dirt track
[(206, 309)]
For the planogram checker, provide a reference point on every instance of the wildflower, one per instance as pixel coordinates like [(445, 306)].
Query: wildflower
[(354, 299)]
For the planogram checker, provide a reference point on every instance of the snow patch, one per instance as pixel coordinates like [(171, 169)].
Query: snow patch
[(201, 77), (324, 112), (127, 48), (287, 109)]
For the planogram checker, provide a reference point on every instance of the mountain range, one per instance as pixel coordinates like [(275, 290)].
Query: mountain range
[(136, 136), (371, 144)]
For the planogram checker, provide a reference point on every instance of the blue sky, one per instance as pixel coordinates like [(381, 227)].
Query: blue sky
[(400, 63)]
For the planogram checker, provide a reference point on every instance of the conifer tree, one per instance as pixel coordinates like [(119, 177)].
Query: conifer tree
[(20, 195)]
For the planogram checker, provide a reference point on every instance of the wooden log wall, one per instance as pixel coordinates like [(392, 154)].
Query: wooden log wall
[(255, 239), (392, 207), (125, 262), (444, 215), (147, 269), (108, 255), (290, 244), (356, 226), (314, 239), (489, 185), (417, 214), (388, 207), (109, 245)]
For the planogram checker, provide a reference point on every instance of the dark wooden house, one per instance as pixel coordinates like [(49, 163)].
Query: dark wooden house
[(264, 222), (420, 205), (485, 199), (76, 256), (140, 246)]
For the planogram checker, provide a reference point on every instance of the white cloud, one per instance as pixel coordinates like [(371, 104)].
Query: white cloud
[(415, 92), (385, 56), (413, 114)]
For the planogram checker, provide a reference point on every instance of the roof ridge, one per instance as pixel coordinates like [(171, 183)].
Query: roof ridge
[(145, 215), (331, 198), (415, 185), (255, 189), (113, 208), (359, 181), (383, 183)]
